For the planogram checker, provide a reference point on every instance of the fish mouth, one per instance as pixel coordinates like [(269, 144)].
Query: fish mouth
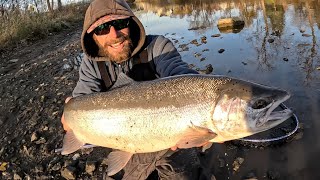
[(272, 118)]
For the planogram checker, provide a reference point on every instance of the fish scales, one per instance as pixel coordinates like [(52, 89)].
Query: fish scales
[(182, 111), (165, 109)]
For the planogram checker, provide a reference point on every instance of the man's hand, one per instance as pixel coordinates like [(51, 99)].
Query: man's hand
[(62, 117)]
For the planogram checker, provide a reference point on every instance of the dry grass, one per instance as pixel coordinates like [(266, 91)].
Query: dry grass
[(22, 27)]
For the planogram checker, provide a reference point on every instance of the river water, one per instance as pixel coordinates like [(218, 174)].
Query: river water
[(278, 46)]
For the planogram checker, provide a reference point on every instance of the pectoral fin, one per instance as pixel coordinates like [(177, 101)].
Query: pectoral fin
[(196, 136), (116, 161), (70, 143)]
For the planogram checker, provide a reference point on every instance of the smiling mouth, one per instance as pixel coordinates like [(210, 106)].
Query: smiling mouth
[(117, 45)]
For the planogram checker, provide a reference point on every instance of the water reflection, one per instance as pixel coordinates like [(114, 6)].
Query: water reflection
[(278, 46), (276, 33)]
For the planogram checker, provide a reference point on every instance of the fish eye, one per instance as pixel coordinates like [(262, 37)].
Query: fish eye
[(259, 104)]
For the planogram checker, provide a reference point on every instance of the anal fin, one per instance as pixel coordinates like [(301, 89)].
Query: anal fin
[(70, 143), (117, 160)]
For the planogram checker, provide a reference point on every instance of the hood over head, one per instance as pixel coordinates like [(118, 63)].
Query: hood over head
[(113, 8)]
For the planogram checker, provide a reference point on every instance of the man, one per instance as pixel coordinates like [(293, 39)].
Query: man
[(113, 41)]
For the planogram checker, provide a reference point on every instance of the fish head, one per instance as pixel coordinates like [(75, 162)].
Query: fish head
[(244, 108)]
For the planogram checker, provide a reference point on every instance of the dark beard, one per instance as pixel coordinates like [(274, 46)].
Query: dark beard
[(126, 53)]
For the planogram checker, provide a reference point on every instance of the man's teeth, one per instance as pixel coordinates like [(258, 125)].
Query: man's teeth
[(116, 45)]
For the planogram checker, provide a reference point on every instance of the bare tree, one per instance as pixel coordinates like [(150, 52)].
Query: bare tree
[(59, 4)]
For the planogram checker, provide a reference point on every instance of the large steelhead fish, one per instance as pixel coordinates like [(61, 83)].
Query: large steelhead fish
[(182, 111)]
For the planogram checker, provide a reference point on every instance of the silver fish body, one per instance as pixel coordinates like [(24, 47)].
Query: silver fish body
[(183, 111)]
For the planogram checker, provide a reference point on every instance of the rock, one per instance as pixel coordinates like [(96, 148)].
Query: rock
[(34, 136), (202, 59), (38, 169), (184, 47), (75, 156), (209, 69), (270, 40), (69, 163), (197, 55), (16, 176), (236, 164), (195, 42), (204, 39), (306, 35), (56, 167), (42, 140), (227, 25), (68, 172), (90, 166), (221, 51), (81, 165), (13, 60), (216, 35), (285, 59)]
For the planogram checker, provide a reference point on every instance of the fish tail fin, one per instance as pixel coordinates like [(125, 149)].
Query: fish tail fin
[(70, 143)]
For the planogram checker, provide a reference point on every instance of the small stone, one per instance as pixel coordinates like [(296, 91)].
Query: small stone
[(270, 40), (197, 55), (216, 35), (194, 42), (13, 60), (34, 136), (68, 172), (204, 39), (16, 176), (285, 59), (75, 156), (244, 63), (42, 140), (56, 167), (221, 51), (38, 169), (236, 164), (209, 69), (90, 166), (306, 35)]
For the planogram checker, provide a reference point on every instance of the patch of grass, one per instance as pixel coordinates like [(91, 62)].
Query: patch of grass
[(22, 27)]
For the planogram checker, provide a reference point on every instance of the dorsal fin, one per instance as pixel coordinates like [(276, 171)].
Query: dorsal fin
[(123, 80)]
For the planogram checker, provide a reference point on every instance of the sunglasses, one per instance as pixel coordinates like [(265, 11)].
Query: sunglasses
[(118, 24)]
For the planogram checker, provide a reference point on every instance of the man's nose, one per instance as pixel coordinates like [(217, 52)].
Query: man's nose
[(113, 32)]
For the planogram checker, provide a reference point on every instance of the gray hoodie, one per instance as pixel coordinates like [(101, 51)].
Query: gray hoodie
[(162, 60)]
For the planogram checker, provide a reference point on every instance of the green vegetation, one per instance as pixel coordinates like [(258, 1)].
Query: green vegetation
[(17, 27)]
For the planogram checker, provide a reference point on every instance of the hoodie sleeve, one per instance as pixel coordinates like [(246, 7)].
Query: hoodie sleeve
[(89, 78), (167, 59)]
